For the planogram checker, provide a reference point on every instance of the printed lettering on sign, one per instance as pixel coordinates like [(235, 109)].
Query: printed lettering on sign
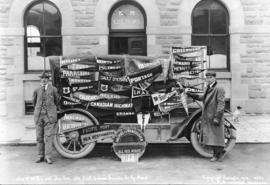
[(65, 102), (185, 49), (125, 113), (72, 99), (92, 137), (109, 68), (76, 67), (123, 105), (68, 61), (78, 81), (137, 79), (129, 143), (111, 96), (73, 117), (137, 92), (122, 79), (106, 62), (72, 121), (86, 97), (101, 104), (77, 74)]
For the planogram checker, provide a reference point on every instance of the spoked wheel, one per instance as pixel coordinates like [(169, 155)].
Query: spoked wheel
[(67, 140), (206, 151)]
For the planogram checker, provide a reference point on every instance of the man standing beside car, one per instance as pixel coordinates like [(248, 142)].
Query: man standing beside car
[(45, 100), (212, 125)]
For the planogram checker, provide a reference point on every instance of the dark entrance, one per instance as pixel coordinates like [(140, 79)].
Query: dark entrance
[(132, 45), (127, 29)]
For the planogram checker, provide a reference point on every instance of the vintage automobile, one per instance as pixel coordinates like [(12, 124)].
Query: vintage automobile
[(128, 101)]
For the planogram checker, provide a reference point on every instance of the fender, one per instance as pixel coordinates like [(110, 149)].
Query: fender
[(185, 126), (78, 110), (195, 115), (228, 124), (190, 121)]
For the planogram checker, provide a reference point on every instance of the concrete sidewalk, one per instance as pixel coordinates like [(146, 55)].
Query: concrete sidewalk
[(250, 129)]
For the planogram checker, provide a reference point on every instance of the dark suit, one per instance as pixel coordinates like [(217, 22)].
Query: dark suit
[(45, 116)]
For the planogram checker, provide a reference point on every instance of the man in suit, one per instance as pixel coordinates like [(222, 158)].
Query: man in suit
[(45, 100), (212, 125)]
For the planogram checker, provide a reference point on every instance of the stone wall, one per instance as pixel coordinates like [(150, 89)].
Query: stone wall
[(84, 44), (256, 76), (166, 41), (255, 57), (84, 11), (4, 12), (168, 12), (6, 58)]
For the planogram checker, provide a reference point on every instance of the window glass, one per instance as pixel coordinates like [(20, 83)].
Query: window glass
[(218, 22), (53, 46), (210, 28), (200, 21), (200, 41), (43, 35), (127, 17), (52, 21), (219, 45), (34, 17), (219, 50)]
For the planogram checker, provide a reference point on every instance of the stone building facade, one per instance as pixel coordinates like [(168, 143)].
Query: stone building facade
[(85, 28)]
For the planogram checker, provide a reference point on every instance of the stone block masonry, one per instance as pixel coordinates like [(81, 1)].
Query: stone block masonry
[(257, 71), (84, 11), (4, 12), (84, 44), (167, 41), (168, 12)]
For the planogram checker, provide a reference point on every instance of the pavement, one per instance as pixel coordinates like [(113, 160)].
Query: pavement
[(21, 130), (160, 164)]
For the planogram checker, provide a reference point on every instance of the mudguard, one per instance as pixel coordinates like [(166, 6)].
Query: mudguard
[(189, 123), (184, 128), (195, 115), (78, 110), (229, 124)]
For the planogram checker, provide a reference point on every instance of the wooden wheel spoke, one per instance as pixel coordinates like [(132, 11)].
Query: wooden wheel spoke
[(74, 146), (69, 144), (79, 144)]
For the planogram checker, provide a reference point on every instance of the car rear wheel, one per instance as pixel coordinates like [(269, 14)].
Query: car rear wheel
[(206, 151)]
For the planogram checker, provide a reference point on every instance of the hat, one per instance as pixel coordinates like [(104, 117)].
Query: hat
[(211, 73), (44, 75)]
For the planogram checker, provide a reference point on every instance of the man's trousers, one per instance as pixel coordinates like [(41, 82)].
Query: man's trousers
[(44, 133)]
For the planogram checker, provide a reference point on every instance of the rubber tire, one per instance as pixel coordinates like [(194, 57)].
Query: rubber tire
[(88, 148), (203, 151)]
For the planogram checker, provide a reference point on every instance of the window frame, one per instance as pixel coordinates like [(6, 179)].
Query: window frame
[(42, 36), (210, 35)]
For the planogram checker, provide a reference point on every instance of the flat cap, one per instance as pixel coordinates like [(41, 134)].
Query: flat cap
[(211, 73), (44, 75)]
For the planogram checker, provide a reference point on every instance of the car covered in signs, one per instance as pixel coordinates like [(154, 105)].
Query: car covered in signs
[(130, 101)]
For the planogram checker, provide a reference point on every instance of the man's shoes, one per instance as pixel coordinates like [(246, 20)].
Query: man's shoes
[(48, 161), (41, 159), (221, 157), (213, 159)]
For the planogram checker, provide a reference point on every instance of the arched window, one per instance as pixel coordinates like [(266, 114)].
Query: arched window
[(42, 23), (210, 27), (127, 23)]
